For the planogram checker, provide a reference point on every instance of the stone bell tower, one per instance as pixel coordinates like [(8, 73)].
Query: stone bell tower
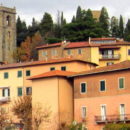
[(7, 33)]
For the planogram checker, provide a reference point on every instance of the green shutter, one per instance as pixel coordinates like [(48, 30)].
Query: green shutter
[(19, 73), (19, 91), (6, 75), (102, 85), (121, 83)]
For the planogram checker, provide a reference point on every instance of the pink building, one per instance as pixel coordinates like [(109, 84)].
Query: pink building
[(102, 96)]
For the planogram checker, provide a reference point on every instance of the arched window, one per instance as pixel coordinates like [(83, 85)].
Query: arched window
[(8, 20)]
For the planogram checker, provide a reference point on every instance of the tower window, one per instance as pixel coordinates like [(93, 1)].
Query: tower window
[(8, 20)]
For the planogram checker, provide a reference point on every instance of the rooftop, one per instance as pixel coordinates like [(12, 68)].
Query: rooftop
[(115, 67), (55, 73), (44, 62), (49, 45)]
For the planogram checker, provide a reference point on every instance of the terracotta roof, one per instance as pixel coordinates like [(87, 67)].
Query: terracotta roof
[(44, 62), (115, 67), (77, 45), (104, 38), (49, 45), (55, 73)]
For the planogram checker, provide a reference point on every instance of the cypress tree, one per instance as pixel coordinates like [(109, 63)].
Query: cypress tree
[(79, 14), (46, 24), (114, 27), (121, 27), (104, 21)]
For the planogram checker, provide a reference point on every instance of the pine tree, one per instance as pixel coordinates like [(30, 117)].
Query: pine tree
[(88, 16), (121, 27), (104, 21), (114, 27)]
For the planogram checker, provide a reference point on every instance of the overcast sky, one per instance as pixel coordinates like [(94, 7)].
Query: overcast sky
[(27, 9)]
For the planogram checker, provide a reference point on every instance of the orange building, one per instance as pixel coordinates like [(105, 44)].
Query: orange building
[(102, 51), (52, 88), (102, 96)]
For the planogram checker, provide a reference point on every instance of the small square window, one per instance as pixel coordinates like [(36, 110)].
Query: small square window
[(28, 73), (128, 51), (52, 68), (44, 53), (83, 88), (28, 90), (83, 112), (19, 74), (79, 51), (121, 83), (109, 63), (20, 91), (69, 52), (6, 75), (102, 85), (63, 68), (54, 52)]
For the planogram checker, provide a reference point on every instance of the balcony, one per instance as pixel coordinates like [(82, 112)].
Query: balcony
[(110, 57), (4, 100), (112, 119)]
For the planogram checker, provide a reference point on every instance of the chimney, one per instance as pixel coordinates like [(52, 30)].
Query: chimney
[(89, 40)]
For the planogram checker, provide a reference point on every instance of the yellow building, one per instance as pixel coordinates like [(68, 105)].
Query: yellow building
[(14, 83), (102, 51)]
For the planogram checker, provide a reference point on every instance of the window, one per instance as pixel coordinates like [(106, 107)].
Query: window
[(44, 53), (8, 20), (121, 83), (128, 51), (19, 74), (5, 92), (109, 63), (83, 112), (28, 90), (54, 52), (28, 73), (103, 112), (83, 88), (6, 75), (69, 52), (79, 51), (63, 68), (20, 91), (122, 111), (52, 68), (102, 85)]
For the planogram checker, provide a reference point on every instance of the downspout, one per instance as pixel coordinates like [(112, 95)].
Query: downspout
[(58, 101)]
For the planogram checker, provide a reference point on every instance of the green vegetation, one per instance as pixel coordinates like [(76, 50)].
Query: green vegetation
[(81, 27), (117, 127)]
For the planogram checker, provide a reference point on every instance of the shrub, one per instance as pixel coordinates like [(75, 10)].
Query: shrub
[(117, 127)]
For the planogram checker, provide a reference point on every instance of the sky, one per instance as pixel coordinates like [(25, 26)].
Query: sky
[(27, 9)]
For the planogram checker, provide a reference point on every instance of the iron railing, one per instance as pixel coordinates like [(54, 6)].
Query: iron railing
[(112, 118), (116, 56)]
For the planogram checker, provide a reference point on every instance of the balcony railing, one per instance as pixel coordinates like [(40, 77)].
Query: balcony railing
[(112, 118), (117, 56), (4, 99)]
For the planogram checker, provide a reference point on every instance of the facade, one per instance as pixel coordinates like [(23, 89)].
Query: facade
[(7, 34), (55, 90), (14, 81), (102, 51), (101, 96)]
